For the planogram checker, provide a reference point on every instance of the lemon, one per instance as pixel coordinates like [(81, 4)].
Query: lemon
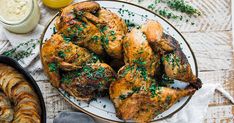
[(55, 4)]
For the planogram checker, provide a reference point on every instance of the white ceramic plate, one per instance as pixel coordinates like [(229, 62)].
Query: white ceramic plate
[(103, 107)]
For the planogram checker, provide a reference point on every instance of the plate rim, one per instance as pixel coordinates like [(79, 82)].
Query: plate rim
[(161, 17)]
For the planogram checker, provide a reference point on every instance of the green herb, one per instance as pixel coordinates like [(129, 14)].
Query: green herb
[(54, 30), (53, 67), (122, 97), (168, 99), (180, 5), (143, 72), (139, 62), (21, 51), (167, 14), (130, 24), (153, 89), (95, 38), (66, 79), (61, 54), (136, 89)]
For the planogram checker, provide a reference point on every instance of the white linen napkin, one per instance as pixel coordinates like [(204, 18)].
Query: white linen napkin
[(29, 39)]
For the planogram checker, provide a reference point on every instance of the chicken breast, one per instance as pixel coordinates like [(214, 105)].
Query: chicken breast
[(138, 51), (114, 32)]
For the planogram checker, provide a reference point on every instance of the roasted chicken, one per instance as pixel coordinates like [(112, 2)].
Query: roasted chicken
[(63, 61), (57, 54), (26, 106), (91, 81), (146, 104), (88, 35), (76, 24), (130, 80), (176, 65)]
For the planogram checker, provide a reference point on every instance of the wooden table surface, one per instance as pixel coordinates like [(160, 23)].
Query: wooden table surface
[(211, 40)]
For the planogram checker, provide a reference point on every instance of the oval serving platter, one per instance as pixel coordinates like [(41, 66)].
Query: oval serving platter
[(11, 62), (103, 108)]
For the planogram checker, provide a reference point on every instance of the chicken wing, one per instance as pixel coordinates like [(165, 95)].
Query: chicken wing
[(154, 33), (138, 51), (114, 32), (91, 81)]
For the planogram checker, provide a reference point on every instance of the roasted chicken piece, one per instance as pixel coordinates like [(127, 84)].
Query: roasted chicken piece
[(154, 33), (72, 13), (25, 101), (176, 65), (6, 110), (91, 81), (77, 24), (131, 79), (114, 31), (145, 105), (136, 96), (137, 51), (57, 54)]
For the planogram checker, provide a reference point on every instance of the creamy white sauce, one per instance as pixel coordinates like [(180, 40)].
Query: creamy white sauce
[(15, 10)]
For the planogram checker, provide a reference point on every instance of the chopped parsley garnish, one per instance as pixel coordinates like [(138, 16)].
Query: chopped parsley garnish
[(139, 62), (122, 97), (53, 67), (181, 6), (95, 38), (153, 89), (136, 89), (23, 50), (61, 54)]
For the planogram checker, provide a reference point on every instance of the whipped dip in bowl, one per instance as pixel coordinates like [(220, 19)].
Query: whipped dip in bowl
[(19, 16)]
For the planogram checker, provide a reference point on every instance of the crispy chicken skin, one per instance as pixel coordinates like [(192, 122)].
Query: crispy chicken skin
[(88, 82), (130, 79), (58, 54), (138, 51), (144, 55), (136, 96), (142, 106), (68, 14), (75, 24), (114, 33), (154, 33), (176, 65)]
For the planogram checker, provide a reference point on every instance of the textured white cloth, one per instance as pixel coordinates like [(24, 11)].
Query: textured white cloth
[(17, 39), (193, 112)]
